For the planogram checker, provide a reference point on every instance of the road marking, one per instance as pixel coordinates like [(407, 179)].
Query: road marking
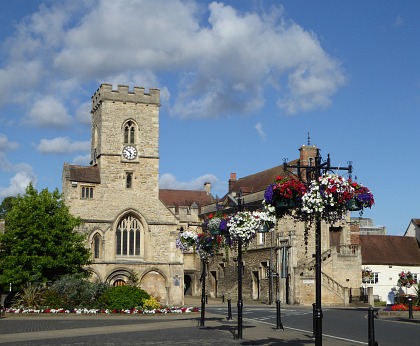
[(307, 331)]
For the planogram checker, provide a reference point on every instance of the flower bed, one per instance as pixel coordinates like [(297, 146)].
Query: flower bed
[(163, 310), (401, 307)]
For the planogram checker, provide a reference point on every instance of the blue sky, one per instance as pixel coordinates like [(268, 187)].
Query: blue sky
[(242, 83)]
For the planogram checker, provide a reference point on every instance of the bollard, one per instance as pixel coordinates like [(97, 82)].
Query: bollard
[(410, 308), (229, 309), (371, 328), (313, 320), (279, 324), (207, 299), (223, 298)]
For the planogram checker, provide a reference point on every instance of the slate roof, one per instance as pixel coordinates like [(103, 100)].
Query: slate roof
[(389, 250), (85, 174), (176, 198)]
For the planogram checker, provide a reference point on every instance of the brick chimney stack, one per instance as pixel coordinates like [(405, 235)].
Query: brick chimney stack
[(308, 154), (232, 180), (207, 187)]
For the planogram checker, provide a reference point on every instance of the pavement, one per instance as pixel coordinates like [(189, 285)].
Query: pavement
[(160, 329)]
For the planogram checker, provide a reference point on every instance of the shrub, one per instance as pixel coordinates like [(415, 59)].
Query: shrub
[(29, 297), (122, 298), (151, 304), (73, 291)]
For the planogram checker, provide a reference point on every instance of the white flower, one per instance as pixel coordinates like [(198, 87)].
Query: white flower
[(243, 225)]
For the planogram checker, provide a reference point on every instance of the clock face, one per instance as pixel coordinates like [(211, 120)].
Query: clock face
[(129, 152)]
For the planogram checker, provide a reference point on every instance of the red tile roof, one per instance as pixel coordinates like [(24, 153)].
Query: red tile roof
[(389, 250), (259, 181), (176, 198)]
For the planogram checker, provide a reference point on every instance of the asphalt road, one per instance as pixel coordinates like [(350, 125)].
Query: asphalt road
[(337, 323)]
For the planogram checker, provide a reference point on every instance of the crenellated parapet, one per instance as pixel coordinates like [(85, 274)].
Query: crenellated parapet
[(122, 94)]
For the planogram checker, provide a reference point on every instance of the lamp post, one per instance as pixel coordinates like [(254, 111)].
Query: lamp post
[(240, 270), (203, 293), (312, 172)]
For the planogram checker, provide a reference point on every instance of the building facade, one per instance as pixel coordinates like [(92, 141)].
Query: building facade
[(131, 225), (388, 256), (129, 229), (281, 264)]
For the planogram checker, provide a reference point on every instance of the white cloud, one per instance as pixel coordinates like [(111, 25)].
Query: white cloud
[(169, 181), (48, 112), (83, 113), (60, 145), (260, 130), (6, 145), (82, 160), (19, 182), (224, 60)]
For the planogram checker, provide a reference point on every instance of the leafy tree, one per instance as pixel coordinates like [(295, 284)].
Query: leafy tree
[(6, 205), (40, 243)]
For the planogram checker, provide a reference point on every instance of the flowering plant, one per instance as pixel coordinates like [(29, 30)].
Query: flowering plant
[(367, 274), (216, 223), (207, 244), (406, 279), (266, 217), (327, 197), (284, 188), (185, 240), (85, 311), (403, 307), (243, 225), (362, 194)]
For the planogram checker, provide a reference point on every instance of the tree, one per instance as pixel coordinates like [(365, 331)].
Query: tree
[(6, 205), (40, 242)]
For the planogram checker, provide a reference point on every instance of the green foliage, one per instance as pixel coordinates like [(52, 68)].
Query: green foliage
[(6, 205), (29, 297), (151, 303), (123, 297), (74, 291), (40, 243), (133, 280)]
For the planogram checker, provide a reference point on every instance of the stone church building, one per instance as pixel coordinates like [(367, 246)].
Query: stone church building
[(129, 228), (131, 224)]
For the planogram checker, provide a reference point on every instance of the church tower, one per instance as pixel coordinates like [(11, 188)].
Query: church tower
[(129, 230)]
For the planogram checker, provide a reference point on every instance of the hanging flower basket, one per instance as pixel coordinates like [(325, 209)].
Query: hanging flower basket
[(285, 194), (326, 198), (243, 225), (207, 244), (265, 219), (367, 275), (286, 204), (353, 205), (362, 195), (406, 279), (186, 240), (216, 223)]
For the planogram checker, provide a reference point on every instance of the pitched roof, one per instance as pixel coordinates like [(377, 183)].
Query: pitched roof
[(176, 198), (389, 250), (259, 181), (85, 174)]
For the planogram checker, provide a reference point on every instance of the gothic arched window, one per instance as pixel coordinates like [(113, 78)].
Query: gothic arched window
[(129, 133), (96, 244), (127, 237)]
